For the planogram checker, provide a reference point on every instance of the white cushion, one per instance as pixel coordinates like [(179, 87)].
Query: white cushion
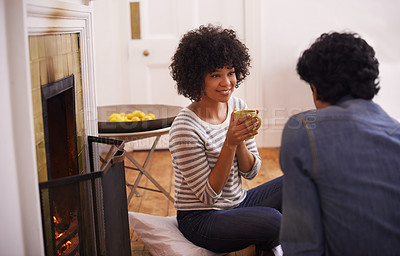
[(162, 237)]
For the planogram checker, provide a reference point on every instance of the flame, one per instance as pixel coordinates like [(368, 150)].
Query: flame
[(60, 235), (64, 247)]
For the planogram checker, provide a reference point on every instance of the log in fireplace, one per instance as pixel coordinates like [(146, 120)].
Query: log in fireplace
[(82, 213)]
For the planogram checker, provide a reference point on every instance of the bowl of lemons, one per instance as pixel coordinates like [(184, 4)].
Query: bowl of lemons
[(135, 118)]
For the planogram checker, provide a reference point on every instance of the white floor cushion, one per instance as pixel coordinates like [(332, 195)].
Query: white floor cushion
[(162, 237)]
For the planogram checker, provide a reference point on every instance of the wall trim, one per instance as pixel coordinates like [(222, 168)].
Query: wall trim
[(252, 33)]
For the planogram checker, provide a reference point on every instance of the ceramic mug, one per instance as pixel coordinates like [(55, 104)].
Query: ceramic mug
[(253, 113)]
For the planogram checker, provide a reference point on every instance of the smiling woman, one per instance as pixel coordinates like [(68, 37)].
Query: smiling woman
[(190, 64), (222, 81), (211, 151)]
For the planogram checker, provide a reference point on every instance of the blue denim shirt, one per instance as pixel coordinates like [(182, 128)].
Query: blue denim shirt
[(341, 190)]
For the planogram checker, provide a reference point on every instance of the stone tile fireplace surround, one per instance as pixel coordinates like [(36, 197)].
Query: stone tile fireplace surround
[(53, 57)]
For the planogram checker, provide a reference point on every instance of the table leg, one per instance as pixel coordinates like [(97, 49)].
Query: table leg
[(133, 189), (142, 170), (139, 177)]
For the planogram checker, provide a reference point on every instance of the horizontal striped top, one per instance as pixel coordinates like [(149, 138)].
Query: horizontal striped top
[(195, 146)]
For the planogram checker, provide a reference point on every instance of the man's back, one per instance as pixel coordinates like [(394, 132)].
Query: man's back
[(342, 186)]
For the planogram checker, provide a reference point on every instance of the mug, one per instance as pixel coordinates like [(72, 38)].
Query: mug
[(253, 113)]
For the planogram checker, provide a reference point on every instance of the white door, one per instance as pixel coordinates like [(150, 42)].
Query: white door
[(163, 22)]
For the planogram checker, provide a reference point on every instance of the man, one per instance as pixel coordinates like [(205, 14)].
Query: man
[(341, 162)]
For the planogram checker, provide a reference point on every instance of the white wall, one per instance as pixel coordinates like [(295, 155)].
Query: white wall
[(21, 224), (291, 26), (111, 33), (11, 237)]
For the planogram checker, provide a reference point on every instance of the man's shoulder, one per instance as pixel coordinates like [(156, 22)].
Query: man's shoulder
[(328, 113), (305, 116)]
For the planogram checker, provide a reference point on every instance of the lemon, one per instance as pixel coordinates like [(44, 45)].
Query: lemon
[(135, 118), (113, 119), (135, 113), (122, 114), (113, 116), (129, 116), (138, 113), (147, 117), (152, 116), (120, 119)]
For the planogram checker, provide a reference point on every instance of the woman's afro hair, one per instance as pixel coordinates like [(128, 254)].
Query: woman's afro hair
[(203, 50)]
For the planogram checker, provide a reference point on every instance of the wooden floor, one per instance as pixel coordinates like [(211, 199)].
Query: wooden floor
[(160, 167)]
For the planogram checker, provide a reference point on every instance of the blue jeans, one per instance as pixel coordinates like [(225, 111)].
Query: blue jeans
[(255, 221)]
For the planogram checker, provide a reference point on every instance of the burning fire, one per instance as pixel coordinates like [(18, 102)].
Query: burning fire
[(60, 235), (64, 247), (67, 244), (57, 234)]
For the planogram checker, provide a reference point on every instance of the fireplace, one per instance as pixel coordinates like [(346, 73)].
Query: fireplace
[(42, 41), (58, 104), (83, 213), (60, 202)]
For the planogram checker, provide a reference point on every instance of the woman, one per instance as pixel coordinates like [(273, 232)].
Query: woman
[(210, 153)]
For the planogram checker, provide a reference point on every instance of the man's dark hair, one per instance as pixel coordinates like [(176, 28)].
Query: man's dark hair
[(202, 51), (340, 64)]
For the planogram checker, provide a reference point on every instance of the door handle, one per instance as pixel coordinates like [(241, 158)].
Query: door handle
[(146, 53)]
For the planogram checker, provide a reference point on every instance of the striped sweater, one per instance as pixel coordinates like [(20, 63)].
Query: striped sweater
[(195, 146)]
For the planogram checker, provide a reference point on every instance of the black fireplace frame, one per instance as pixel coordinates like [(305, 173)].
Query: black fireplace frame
[(61, 93), (49, 91)]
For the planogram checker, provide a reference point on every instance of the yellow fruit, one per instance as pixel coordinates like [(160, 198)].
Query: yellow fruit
[(113, 116), (129, 116), (152, 116), (147, 117), (120, 119), (138, 113)]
